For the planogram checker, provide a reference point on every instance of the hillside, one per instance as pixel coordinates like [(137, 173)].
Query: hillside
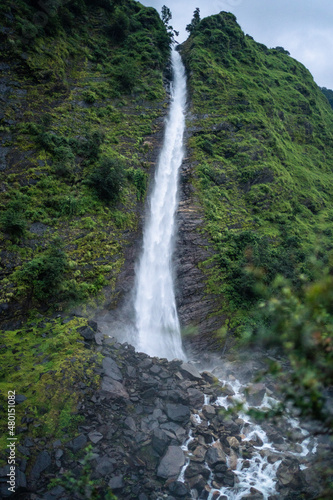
[(84, 92), (260, 154)]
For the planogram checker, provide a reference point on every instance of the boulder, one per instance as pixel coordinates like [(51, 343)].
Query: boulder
[(160, 441), (114, 388), (178, 412), (111, 369), (86, 332), (43, 461), (116, 483), (255, 394), (172, 462), (190, 371), (215, 455)]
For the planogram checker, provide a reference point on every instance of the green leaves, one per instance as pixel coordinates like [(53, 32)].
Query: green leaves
[(108, 179), (42, 276)]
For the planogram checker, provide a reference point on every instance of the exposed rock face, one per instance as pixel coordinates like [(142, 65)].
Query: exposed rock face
[(195, 306)]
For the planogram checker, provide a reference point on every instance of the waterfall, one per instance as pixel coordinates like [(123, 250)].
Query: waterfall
[(157, 324)]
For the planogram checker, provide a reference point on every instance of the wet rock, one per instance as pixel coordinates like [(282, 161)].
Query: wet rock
[(196, 469), (196, 398), (190, 371), (215, 455), (171, 463), (209, 411), (199, 454), (289, 474), (43, 461), (111, 369), (255, 394), (114, 388), (227, 390), (178, 489), (178, 413), (197, 483), (233, 442)]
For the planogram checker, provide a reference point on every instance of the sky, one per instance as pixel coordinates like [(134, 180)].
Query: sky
[(303, 27)]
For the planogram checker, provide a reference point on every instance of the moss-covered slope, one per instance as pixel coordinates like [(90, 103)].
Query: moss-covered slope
[(81, 95), (261, 150), (82, 103)]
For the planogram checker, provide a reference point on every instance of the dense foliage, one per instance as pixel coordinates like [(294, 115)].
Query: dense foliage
[(262, 143), (84, 90)]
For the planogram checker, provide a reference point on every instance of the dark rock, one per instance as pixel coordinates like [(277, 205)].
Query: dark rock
[(160, 441), (93, 325), (77, 443), (215, 455), (178, 412), (196, 397), (171, 463), (116, 483), (104, 466), (190, 371), (86, 332), (255, 394), (197, 482), (111, 369), (178, 489), (19, 398), (95, 436), (209, 411), (42, 462), (55, 493), (114, 388), (195, 469)]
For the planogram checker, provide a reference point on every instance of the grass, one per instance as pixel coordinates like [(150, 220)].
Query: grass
[(46, 360)]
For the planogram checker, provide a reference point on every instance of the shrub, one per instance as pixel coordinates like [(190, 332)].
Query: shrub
[(13, 223), (43, 275), (108, 179), (127, 75)]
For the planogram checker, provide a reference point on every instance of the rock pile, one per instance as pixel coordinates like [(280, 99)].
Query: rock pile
[(137, 424)]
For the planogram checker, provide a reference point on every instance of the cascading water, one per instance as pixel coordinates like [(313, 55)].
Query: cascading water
[(155, 307)]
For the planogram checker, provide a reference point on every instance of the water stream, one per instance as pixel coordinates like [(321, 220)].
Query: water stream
[(157, 324)]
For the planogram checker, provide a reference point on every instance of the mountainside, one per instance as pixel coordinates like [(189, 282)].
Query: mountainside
[(84, 91), (260, 156), (82, 103)]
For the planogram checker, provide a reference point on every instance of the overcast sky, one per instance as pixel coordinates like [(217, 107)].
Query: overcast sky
[(303, 27)]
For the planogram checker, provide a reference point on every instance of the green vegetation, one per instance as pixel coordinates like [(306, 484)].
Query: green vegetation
[(46, 361), (88, 95), (108, 179), (262, 147)]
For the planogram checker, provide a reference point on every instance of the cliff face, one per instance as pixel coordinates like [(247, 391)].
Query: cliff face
[(259, 167)]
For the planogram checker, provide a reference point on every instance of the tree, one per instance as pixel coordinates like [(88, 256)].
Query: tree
[(195, 21), (43, 275), (108, 179), (166, 18)]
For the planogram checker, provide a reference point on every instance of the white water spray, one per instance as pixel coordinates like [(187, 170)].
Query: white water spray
[(155, 307)]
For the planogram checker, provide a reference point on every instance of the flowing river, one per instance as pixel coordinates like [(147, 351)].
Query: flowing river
[(157, 324)]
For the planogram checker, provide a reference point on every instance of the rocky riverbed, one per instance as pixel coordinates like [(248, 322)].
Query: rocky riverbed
[(160, 429)]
